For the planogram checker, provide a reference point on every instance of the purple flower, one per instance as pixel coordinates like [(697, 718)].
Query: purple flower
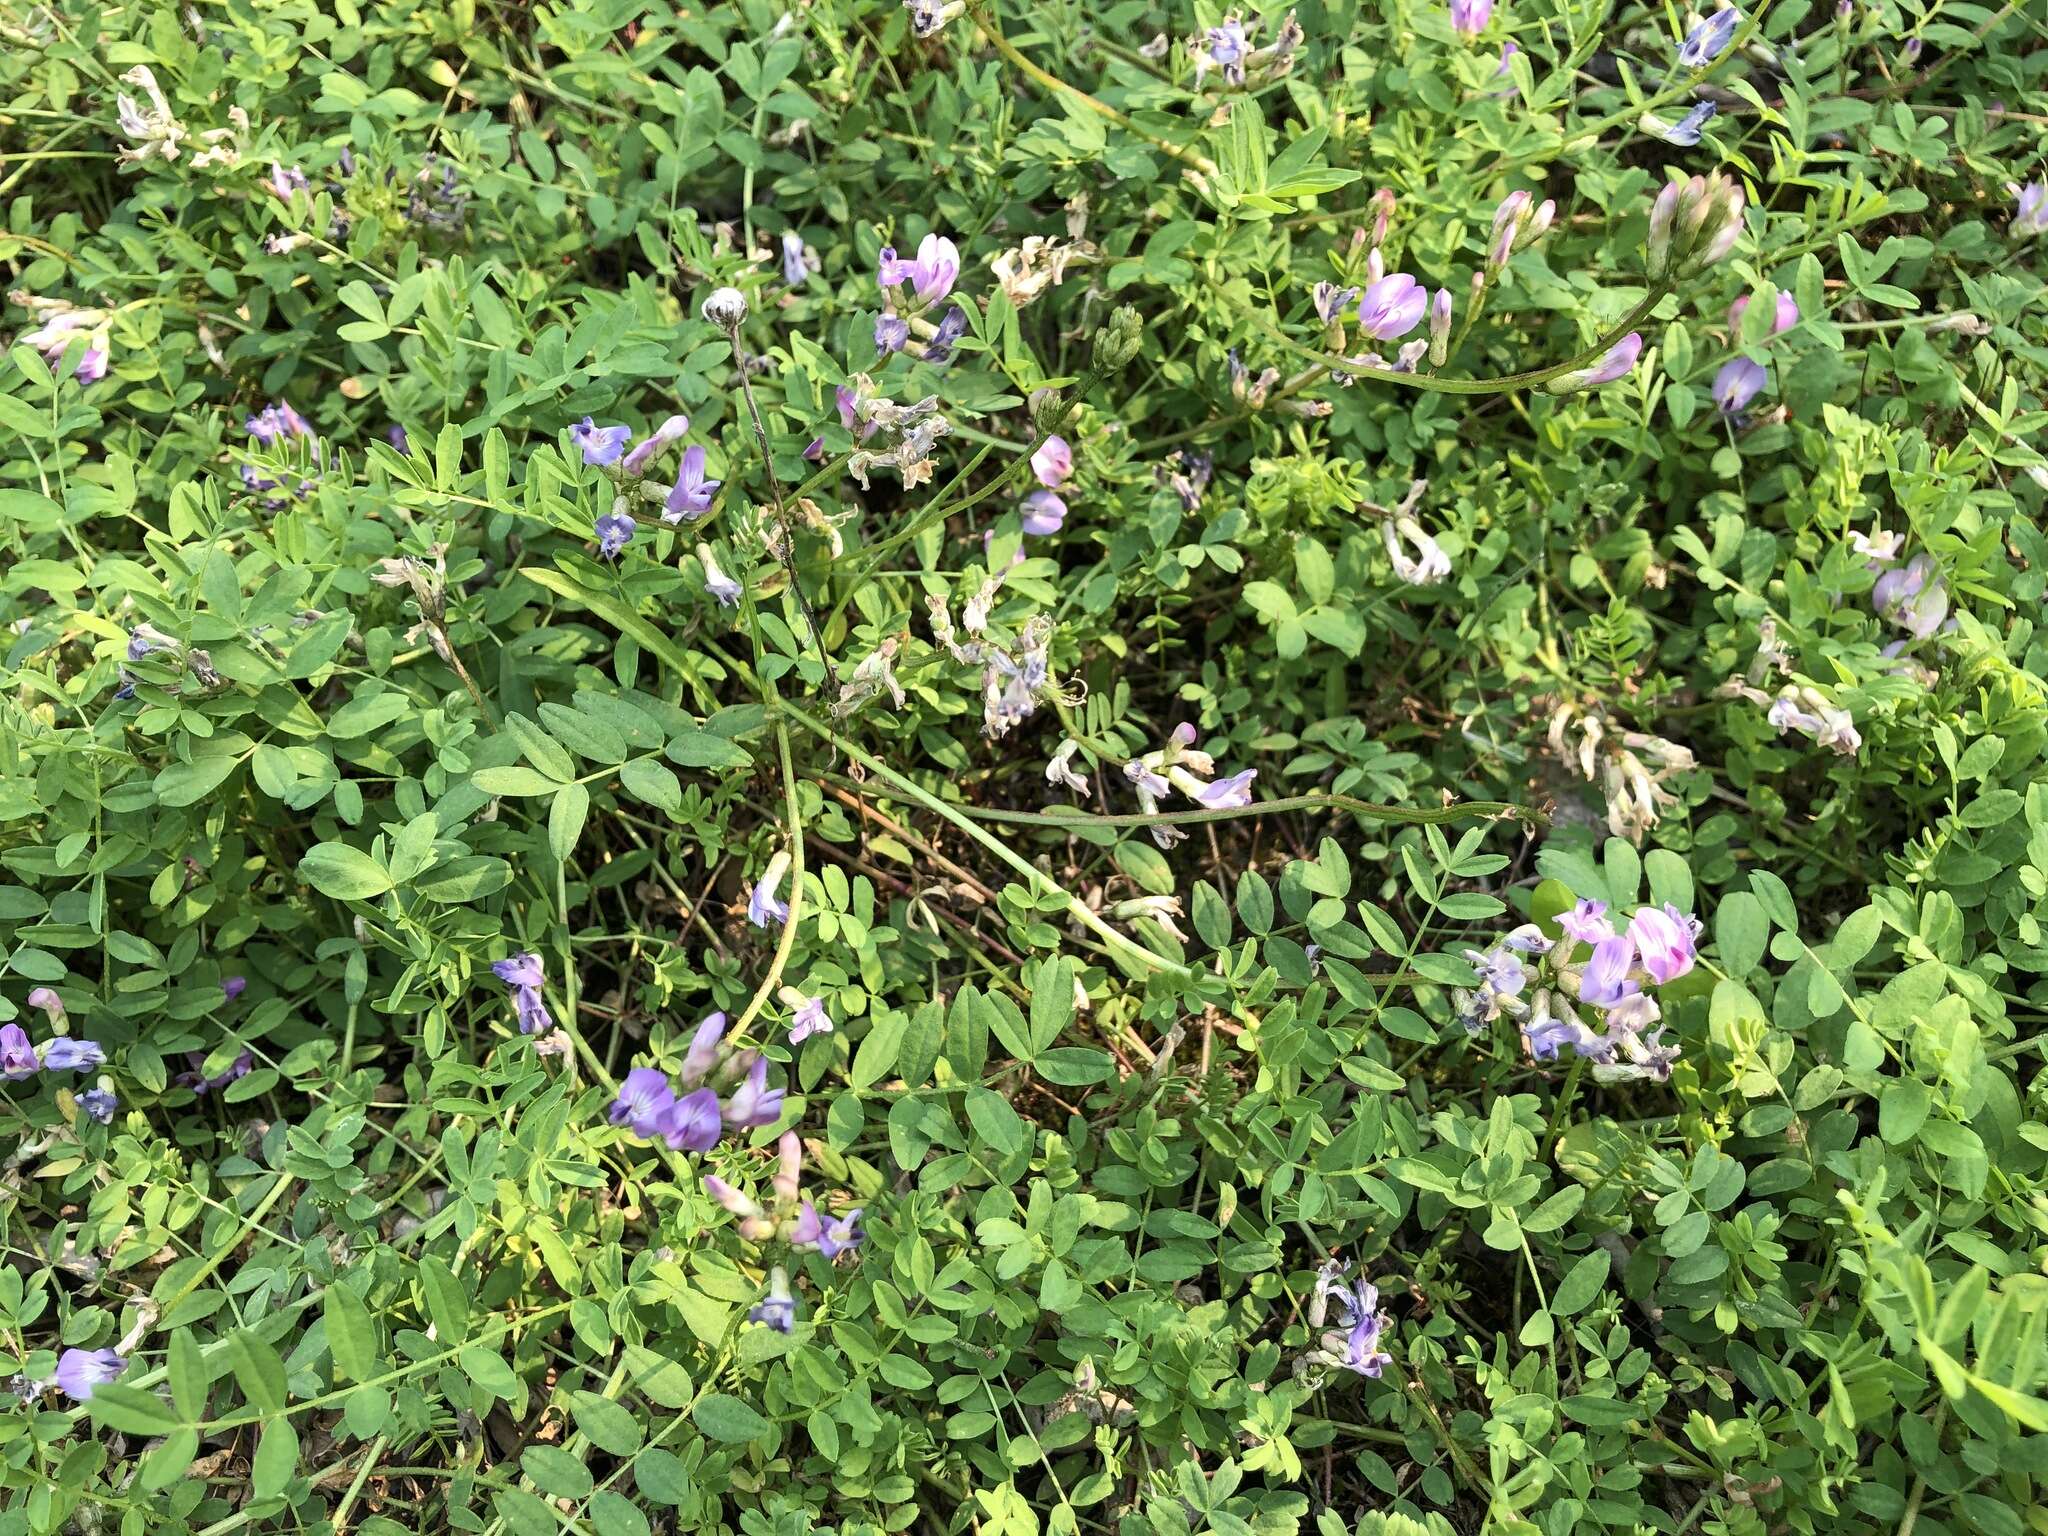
[(599, 445), (764, 906), (1228, 46), (931, 276), (1226, 794), (17, 1056), (794, 269), (952, 326), (810, 1018), (1469, 17), (197, 1080), (2029, 209), (1353, 1345), (644, 451), (1665, 940), (831, 1238), (1686, 131), (276, 422), (395, 436), (777, 1309), (1053, 462), (703, 1053), (692, 1123), (1506, 66), (232, 987), (99, 1104), (1044, 512), (523, 974), (1606, 979), (285, 180), (1616, 363), (614, 532), (645, 1098), (1547, 1034), (1331, 300), (92, 365), (1500, 969), (691, 497), (754, 1103), (716, 582), (1913, 596), (892, 333), (1785, 313), (1705, 42), (1586, 923), (1392, 307), (65, 1054), (81, 1370), (848, 404), (1739, 382)]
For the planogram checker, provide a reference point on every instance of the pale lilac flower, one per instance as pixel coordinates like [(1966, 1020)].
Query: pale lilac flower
[(1527, 939), (1606, 979), (523, 974), (1469, 17), (951, 327), (79, 1371), (1586, 923), (777, 1309), (1440, 327), (46, 998), (754, 1104), (841, 1235), (1617, 362), (599, 445), (1500, 969), (1060, 769), (1784, 313), (2030, 209), (1665, 941), (17, 1056), (614, 532), (1878, 547), (716, 582), (1052, 462), (692, 496), (1708, 38), (643, 1103), (1740, 381), (1225, 794), (1228, 46), (1685, 133), (285, 180), (1913, 597), (692, 1123), (892, 333), (1353, 1345), (66, 1054), (276, 422), (764, 906), (1392, 307), (1331, 300), (1044, 512), (1547, 1032), (931, 275), (808, 1016), (644, 451), (795, 271), (736, 1201), (99, 1104), (703, 1053)]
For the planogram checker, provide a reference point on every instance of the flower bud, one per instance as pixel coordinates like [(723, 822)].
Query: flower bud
[(1116, 343), (1693, 225), (726, 308), (1618, 360), (1048, 409)]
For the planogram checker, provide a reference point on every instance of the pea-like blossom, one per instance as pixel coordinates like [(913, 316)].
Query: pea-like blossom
[(1052, 462), (1784, 313), (1469, 17), (614, 532), (232, 987), (1685, 133), (931, 274), (1060, 768), (1586, 922), (1879, 547), (753, 1103), (1392, 307), (692, 494), (1416, 557), (69, 1054), (644, 1100), (1708, 39), (764, 906), (1044, 513), (98, 1104), (721, 586), (2029, 209), (523, 974), (17, 1056), (643, 452), (1354, 1343), (795, 270), (704, 1050), (1740, 381), (1665, 941), (1228, 46), (1605, 981), (692, 1123), (81, 1371), (599, 445), (777, 1309), (1617, 362), (61, 323), (807, 1015), (275, 423), (1807, 710), (1913, 597), (830, 1237), (1552, 1025), (892, 334)]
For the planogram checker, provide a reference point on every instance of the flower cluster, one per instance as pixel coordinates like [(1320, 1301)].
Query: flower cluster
[(1014, 676), (687, 500), (1178, 766), (911, 288), (20, 1060), (522, 973), (1693, 225), (686, 1110), (1228, 49), (146, 640), (61, 324), (1914, 597), (795, 1220), (1354, 1343), (1742, 378), (1798, 706), (153, 130), (915, 430), (1631, 767)]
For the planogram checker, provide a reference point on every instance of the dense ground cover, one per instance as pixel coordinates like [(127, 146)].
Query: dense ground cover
[(1023, 767)]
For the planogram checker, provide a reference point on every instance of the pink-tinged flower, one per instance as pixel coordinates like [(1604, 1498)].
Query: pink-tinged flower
[(1044, 513), (1469, 17), (1785, 313), (1392, 307), (46, 998), (1617, 362), (704, 1051), (1606, 979), (847, 402), (692, 496), (644, 451), (808, 1019), (1740, 381), (1053, 462), (1226, 794), (1665, 941), (1586, 923), (79, 1371), (2029, 209), (17, 1056)]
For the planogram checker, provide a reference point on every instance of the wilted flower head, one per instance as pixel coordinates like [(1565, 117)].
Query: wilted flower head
[(927, 19), (154, 130), (1806, 710), (1026, 270), (1354, 1343), (726, 308), (716, 582), (1707, 39), (1427, 565)]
